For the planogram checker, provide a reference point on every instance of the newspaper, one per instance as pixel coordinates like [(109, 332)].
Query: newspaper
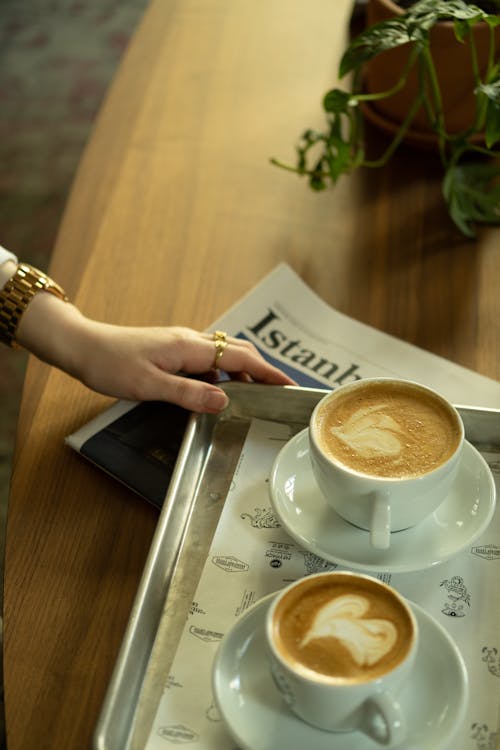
[(321, 347), (251, 555)]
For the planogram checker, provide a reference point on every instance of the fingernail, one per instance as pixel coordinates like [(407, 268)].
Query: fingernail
[(216, 400)]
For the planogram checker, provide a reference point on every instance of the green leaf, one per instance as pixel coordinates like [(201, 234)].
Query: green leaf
[(336, 101), (492, 93), (316, 182), (472, 191), (491, 90), (375, 39), (427, 12), (316, 177), (412, 26), (421, 16), (493, 21), (338, 151), (461, 29), (492, 134), (308, 139)]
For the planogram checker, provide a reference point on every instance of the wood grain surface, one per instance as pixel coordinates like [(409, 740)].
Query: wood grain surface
[(175, 213)]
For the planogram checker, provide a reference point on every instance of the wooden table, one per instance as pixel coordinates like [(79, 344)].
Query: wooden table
[(175, 213)]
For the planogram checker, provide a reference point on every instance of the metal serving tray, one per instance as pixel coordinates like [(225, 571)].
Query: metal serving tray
[(205, 465)]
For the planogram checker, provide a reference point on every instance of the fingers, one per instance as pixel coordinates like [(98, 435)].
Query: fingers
[(194, 395), (197, 351), (242, 358)]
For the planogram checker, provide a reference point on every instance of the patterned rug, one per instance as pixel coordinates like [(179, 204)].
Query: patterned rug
[(57, 58)]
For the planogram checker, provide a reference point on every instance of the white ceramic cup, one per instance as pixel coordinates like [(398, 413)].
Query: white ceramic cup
[(361, 494), (341, 645)]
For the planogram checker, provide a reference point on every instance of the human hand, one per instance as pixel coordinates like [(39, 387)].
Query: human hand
[(145, 364), (140, 364)]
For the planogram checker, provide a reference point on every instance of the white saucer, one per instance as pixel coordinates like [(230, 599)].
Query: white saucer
[(299, 506), (434, 701)]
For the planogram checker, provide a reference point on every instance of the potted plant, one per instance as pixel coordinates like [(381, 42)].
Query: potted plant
[(414, 105)]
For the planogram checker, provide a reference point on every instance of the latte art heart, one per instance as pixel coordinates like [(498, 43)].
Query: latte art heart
[(386, 429), (367, 639), (369, 432)]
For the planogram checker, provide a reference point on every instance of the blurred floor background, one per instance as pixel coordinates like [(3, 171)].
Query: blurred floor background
[(57, 60)]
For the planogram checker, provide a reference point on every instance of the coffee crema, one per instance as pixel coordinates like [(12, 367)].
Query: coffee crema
[(392, 430), (346, 631)]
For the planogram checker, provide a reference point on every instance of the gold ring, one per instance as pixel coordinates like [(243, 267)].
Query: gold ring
[(220, 338)]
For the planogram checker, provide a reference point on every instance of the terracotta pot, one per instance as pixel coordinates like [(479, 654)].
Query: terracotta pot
[(452, 60)]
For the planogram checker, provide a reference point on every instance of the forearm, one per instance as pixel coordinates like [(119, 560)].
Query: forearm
[(126, 362), (53, 331)]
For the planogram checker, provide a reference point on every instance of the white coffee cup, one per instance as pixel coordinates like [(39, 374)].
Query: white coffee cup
[(385, 453), (341, 645)]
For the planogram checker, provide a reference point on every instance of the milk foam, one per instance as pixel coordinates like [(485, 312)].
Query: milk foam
[(371, 433), (367, 639)]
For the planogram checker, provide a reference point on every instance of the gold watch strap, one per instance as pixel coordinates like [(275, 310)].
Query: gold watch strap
[(18, 293)]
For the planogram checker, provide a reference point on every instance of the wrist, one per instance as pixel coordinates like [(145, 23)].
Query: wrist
[(17, 294), (52, 330)]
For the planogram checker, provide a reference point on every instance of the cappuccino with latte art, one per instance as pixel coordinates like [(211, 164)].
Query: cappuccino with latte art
[(345, 628), (341, 645), (385, 453), (388, 429)]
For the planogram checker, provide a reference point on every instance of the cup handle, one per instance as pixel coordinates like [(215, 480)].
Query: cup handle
[(384, 720), (380, 532)]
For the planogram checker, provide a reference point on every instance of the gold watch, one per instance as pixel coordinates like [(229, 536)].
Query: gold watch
[(18, 293)]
